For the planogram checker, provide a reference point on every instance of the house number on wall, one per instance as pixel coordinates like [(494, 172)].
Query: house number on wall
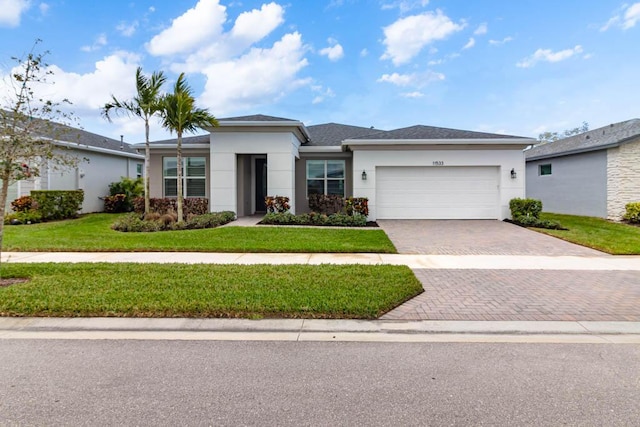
[(438, 163)]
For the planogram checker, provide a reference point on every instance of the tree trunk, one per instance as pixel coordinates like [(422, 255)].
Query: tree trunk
[(3, 202), (147, 167), (179, 165)]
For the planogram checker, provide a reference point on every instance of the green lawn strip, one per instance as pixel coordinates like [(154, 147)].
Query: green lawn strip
[(93, 233), (596, 233), (201, 290)]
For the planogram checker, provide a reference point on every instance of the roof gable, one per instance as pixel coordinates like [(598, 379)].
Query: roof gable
[(597, 139), (332, 134)]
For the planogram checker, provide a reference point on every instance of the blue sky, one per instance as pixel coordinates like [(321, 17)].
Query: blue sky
[(517, 67)]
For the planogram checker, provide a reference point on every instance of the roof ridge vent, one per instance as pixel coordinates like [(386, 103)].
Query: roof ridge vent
[(588, 137)]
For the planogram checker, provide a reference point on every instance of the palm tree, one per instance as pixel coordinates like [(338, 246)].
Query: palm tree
[(145, 104), (179, 114)]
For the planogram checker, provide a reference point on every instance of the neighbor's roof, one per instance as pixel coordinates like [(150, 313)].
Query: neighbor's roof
[(597, 139), (332, 134), (256, 118), (431, 132), (196, 139), (72, 136)]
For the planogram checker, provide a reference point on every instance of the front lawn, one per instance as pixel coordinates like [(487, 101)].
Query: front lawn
[(596, 233), (179, 290), (92, 233)]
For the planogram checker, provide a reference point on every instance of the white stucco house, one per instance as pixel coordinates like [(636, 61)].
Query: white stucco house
[(102, 161), (415, 172), (595, 173)]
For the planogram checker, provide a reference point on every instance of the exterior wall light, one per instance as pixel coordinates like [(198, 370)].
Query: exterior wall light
[(364, 175), (513, 174)]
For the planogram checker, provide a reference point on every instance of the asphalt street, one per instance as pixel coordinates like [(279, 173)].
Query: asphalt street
[(129, 382)]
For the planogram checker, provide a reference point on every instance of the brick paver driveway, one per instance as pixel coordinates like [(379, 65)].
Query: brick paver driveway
[(464, 294), (475, 237)]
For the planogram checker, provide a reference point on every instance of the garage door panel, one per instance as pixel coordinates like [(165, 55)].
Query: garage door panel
[(437, 192)]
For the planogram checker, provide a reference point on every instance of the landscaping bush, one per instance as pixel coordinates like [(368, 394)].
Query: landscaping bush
[(22, 204), (525, 207), (337, 219), (357, 206), (24, 217), (133, 222), (632, 212), (277, 204), (326, 203), (190, 205), (122, 193), (57, 204), (529, 221)]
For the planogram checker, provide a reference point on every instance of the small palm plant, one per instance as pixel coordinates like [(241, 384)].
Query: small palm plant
[(180, 114)]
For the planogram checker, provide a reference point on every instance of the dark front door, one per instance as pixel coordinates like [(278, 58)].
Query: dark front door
[(261, 184)]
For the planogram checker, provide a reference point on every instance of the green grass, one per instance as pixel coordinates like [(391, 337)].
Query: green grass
[(596, 233), (92, 233), (179, 290)]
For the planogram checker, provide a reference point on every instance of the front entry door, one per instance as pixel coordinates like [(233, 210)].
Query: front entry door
[(261, 184)]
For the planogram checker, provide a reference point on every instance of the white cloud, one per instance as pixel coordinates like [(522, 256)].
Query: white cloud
[(334, 52), (414, 79), (196, 26), (412, 95), (626, 17), (481, 30), (99, 42), (364, 52), (44, 8), (322, 94), (404, 5), (256, 24), (471, 43), (11, 12), (547, 55), (631, 16), (261, 76), (406, 37), (126, 29), (500, 42)]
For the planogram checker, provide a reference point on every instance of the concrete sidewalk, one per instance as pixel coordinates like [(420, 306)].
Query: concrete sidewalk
[(318, 330), (478, 262)]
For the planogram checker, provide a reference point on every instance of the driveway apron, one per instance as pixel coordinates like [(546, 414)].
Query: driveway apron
[(532, 294)]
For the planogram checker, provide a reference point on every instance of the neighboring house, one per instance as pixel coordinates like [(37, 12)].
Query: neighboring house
[(414, 172), (594, 173), (102, 161)]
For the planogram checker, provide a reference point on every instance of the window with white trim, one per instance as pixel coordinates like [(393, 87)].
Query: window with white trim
[(138, 170), (193, 176), (326, 177), (544, 169)]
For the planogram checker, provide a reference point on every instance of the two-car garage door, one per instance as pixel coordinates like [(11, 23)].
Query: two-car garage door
[(437, 192)]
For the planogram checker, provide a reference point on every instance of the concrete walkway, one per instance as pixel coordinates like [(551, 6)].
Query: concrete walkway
[(318, 330), (458, 262)]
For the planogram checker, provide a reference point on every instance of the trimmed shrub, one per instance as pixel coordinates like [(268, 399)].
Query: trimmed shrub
[(326, 203), (337, 219), (22, 204), (57, 204), (122, 193), (277, 204), (133, 222), (632, 212), (357, 206), (529, 221), (190, 205), (525, 207), (26, 217)]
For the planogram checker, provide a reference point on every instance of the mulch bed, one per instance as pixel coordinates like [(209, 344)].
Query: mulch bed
[(12, 281)]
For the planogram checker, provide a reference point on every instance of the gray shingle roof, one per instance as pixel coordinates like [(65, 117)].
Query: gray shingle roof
[(256, 118), (432, 132), (68, 134), (332, 134), (592, 140), (196, 139)]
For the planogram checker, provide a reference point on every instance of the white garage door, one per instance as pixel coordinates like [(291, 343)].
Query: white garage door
[(437, 192)]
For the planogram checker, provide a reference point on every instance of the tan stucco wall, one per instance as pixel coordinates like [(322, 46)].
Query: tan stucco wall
[(156, 187), (623, 177), (301, 176)]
